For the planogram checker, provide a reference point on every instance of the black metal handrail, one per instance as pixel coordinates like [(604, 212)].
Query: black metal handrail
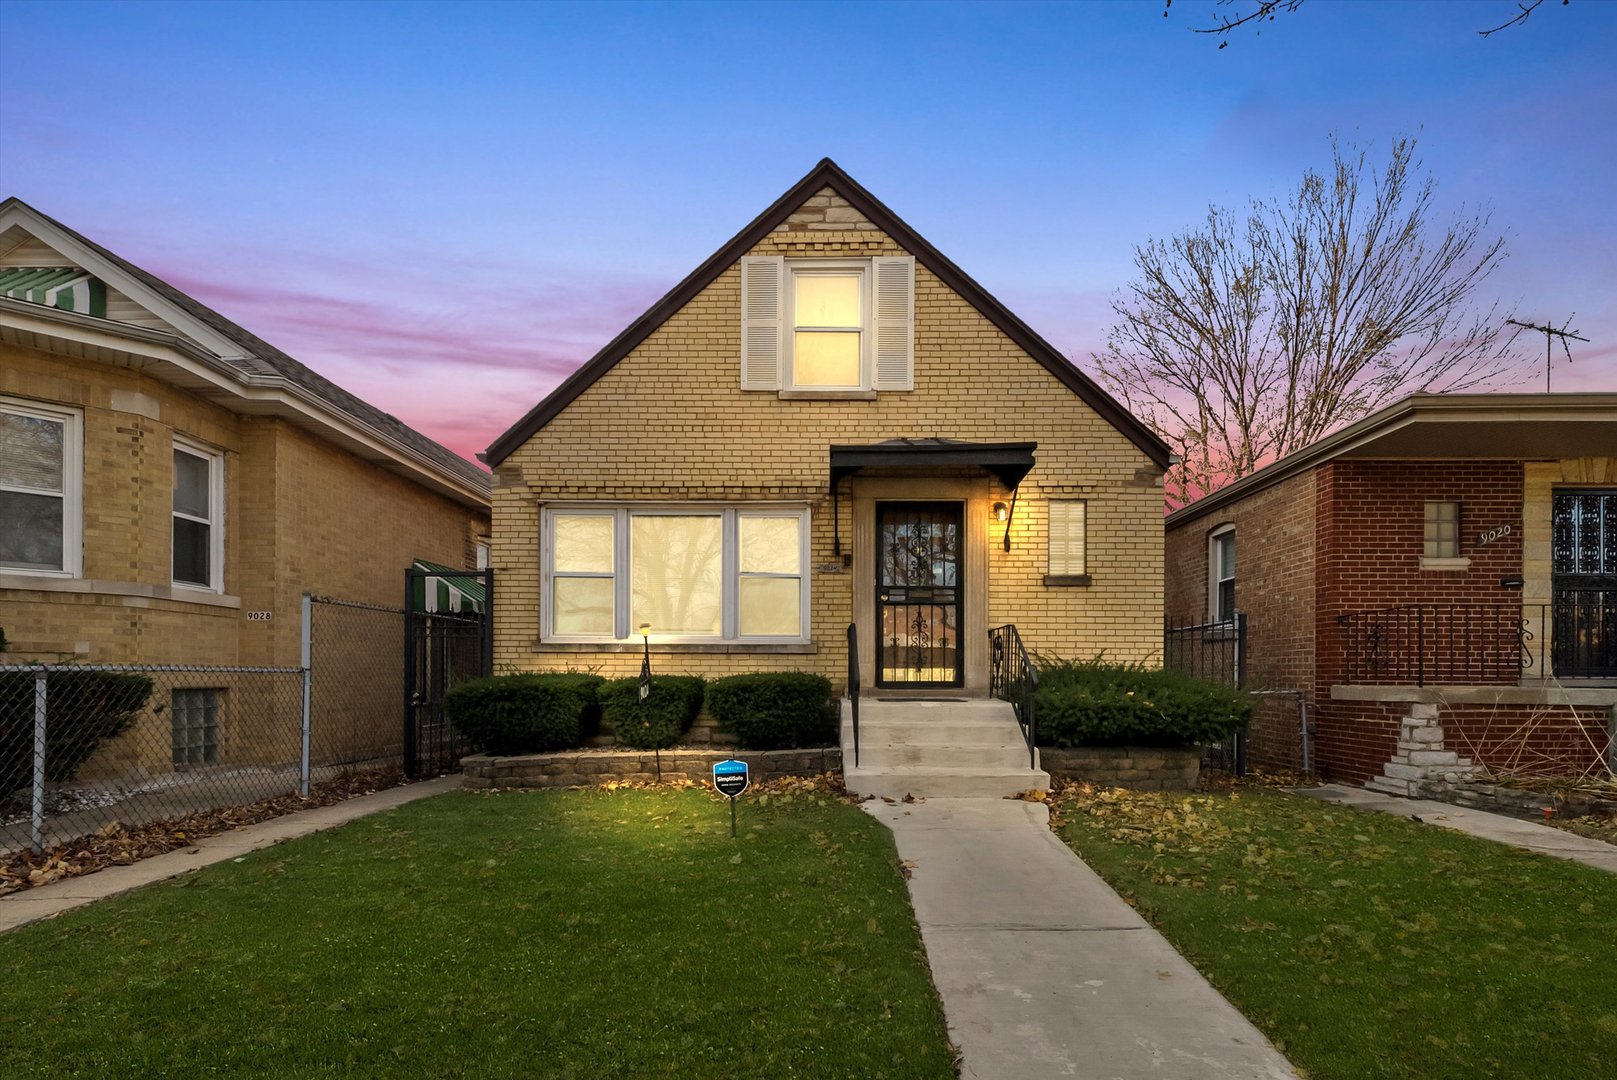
[(1498, 644), (1013, 678), (853, 686)]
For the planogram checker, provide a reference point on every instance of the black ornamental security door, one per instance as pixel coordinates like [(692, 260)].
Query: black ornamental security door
[(918, 589), (1583, 542)]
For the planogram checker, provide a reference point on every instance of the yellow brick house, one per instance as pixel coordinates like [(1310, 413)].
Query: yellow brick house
[(827, 424), (165, 474)]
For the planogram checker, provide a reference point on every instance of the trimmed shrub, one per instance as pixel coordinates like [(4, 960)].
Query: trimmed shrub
[(775, 710), (1097, 704), (526, 714), (83, 710), (657, 722)]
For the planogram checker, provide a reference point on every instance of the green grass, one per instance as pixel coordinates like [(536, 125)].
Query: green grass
[(1368, 946), (552, 934)]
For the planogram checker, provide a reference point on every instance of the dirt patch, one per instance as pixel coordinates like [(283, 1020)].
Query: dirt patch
[(119, 845)]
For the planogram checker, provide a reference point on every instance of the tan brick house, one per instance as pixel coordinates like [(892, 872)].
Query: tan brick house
[(170, 483), (1452, 551), (827, 423)]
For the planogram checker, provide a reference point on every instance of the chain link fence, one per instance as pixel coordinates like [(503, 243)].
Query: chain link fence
[(86, 745)]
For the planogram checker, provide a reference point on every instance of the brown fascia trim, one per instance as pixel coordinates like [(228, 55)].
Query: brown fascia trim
[(1412, 409), (829, 174)]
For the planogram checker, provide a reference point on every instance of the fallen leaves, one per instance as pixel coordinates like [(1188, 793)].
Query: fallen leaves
[(117, 844)]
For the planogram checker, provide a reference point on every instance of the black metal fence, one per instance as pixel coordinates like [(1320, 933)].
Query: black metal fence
[(1483, 644), (441, 648), (1215, 651), (1207, 650)]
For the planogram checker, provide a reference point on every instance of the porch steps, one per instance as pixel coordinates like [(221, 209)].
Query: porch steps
[(937, 749)]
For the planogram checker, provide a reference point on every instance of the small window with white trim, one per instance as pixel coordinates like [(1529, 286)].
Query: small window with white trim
[(1067, 554), (1442, 530), (1221, 574), (41, 488), (689, 573), (198, 516)]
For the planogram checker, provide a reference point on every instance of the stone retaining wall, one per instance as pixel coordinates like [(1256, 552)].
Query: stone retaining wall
[(584, 768), (1137, 767)]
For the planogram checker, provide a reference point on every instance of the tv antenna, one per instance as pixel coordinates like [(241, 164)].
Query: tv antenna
[(1550, 334)]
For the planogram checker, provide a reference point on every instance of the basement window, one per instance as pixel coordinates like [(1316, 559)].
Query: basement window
[(194, 726)]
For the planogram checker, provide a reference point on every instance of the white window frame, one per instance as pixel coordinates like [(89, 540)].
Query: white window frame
[(1215, 573), (729, 513), (72, 494), (215, 522), (866, 328), (1083, 541)]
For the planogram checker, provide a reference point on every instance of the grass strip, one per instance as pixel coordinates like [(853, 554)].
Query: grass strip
[(554, 934), (1366, 946)]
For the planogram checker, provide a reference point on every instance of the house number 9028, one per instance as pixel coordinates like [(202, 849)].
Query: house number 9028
[(1493, 534), (259, 616)]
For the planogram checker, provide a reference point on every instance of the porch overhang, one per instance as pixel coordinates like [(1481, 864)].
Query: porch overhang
[(1009, 462)]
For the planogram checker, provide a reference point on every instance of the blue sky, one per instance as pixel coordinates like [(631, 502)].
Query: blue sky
[(446, 207)]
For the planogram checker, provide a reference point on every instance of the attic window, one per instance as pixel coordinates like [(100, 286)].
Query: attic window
[(66, 287), (827, 347), (835, 326)]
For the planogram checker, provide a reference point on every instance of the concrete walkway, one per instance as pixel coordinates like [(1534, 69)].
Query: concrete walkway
[(1544, 839), (1044, 971), (30, 905)]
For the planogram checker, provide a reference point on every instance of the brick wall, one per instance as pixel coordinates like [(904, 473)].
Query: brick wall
[(671, 423), (1274, 587), (299, 513)]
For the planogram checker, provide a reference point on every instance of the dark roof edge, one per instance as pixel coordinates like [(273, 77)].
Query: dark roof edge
[(1403, 411), (829, 174)]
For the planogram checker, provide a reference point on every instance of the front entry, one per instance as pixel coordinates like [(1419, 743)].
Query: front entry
[(918, 593)]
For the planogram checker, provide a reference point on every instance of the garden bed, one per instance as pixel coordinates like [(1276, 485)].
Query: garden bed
[(586, 768)]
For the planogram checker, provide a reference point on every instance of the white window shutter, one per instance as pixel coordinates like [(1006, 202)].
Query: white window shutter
[(763, 286), (1067, 537), (895, 323)]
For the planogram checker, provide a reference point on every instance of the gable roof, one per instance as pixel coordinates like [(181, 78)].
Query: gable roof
[(253, 356), (828, 174)]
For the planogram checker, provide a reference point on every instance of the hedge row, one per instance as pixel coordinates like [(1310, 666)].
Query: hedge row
[(531, 714), (1096, 704), (83, 710)]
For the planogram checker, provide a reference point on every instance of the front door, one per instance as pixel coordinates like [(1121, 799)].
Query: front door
[(918, 592), (1583, 535)]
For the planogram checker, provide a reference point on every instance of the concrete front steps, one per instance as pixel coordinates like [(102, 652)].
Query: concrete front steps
[(937, 749)]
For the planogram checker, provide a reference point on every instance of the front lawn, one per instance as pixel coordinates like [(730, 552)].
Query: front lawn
[(547, 934), (1368, 946)]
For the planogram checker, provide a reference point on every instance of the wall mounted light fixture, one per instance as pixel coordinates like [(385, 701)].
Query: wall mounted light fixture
[(1001, 512)]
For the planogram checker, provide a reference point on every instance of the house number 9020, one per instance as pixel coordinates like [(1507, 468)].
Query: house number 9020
[(1493, 534), (259, 616)]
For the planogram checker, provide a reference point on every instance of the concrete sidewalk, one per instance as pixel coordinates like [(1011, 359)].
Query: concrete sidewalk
[(1044, 971), (30, 905), (1544, 839)]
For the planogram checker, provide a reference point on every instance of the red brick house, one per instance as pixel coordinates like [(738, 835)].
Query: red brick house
[(1451, 550)]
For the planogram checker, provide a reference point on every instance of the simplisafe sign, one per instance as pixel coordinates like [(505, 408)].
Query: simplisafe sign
[(730, 777)]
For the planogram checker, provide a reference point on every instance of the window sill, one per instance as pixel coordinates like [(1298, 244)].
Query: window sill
[(827, 395), (1461, 563), (1067, 580), (177, 593), (795, 648)]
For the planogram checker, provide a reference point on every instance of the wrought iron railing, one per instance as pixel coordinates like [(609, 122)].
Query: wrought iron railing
[(1488, 644), (1013, 678), (853, 686), (1207, 650)]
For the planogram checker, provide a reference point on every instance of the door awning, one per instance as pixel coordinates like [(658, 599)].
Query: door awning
[(451, 593), (1010, 462)]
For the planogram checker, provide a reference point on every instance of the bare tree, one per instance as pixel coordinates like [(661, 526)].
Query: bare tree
[(1253, 335), (1257, 12)]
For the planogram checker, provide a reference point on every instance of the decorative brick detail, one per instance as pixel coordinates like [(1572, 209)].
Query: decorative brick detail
[(581, 768), (1138, 768)]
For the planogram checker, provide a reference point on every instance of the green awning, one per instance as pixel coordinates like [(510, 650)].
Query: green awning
[(446, 589), (65, 287)]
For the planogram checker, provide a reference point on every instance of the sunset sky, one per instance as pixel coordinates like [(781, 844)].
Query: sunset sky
[(446, 207)]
